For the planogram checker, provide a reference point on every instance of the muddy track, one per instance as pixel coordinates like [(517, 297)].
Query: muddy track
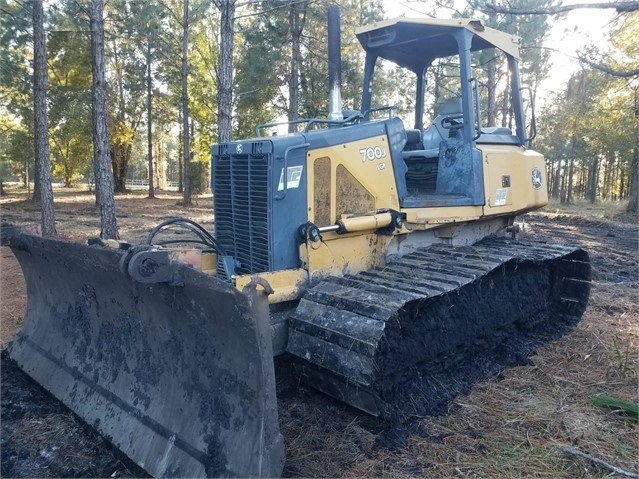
[(436, 312), (41, 438)]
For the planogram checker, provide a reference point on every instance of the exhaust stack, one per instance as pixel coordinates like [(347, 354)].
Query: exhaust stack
[(334, 64)]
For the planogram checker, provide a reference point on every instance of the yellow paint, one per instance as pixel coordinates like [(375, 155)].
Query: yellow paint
[(425, 218), (366, 222), (369, 161), (504, 41), (209, 263), (343, 254), (288, 284), (503, 165), (517, 164), (204, 261), (508, 190)]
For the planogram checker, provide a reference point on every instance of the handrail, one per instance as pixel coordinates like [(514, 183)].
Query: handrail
[(316, 121), (475, 91), (285, 169), (270, 125), (533, 122), (325, 121), (390, 109)]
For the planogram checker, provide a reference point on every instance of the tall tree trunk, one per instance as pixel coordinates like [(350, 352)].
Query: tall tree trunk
[(159, 170), (296, 25), (181, 154), (550, 168), (225, 73), (633, 187), (571, 171), (505, 104), (562, 193), (556, 184), (149, 131), (104, 173), (610, 158), (120, 155), (40, 127), (123, 134), (593, 180), (186, 147)]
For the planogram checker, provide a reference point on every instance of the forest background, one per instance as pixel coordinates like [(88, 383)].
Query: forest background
[(185, 74)]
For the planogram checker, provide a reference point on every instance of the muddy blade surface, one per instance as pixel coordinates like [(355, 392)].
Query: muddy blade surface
[(179, 377), (405, 339)]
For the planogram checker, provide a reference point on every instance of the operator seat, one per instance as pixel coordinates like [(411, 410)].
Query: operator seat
[(435, 133)]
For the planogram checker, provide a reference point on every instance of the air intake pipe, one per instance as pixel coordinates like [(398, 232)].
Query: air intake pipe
[(334, 64)]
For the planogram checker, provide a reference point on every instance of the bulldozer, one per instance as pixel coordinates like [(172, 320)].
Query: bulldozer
[(383, 261)]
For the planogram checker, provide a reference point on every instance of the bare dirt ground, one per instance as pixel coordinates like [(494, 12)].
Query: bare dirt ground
[(516, 424)]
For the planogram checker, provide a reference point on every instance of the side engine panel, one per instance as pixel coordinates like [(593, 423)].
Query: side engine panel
[(266, 188)]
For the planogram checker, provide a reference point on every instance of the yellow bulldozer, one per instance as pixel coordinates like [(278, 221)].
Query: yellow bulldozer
[(382, 260)]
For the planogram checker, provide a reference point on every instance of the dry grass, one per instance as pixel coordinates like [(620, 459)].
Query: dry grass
[(581, 207), (77, 217), (55, 442)]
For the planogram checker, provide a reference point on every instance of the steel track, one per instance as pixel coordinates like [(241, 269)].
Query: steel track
[(406, 338)]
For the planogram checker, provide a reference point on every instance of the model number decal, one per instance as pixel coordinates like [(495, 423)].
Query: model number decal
[(372, 153)]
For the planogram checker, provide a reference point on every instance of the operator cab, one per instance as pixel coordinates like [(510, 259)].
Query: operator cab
[(441, 165)]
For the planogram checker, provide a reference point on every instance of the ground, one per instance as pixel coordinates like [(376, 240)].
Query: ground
[(513, 425)]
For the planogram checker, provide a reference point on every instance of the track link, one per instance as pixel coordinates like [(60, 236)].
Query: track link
[(406, 338)]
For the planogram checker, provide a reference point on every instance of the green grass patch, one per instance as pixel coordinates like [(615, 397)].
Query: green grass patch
[(627, 408)]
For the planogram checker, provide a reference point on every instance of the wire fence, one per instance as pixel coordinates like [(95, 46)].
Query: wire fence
[(139, 184)]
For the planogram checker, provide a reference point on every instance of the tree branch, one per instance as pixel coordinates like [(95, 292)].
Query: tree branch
[(620, 7), (608, 69), (570, 451)]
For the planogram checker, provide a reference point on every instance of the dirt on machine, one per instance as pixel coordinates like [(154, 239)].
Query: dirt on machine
[(382, 260)]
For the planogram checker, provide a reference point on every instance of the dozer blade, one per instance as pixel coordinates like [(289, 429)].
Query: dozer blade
[(178, 376)]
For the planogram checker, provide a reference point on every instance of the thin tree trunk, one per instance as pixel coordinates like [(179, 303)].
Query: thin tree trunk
[(556, 184), (181, 155), (633, 190), (594, 176), (571, 170), (149, 131), (633, 187), (159, 170), (296, 25), (505, 104), (492, 93), (225, 74), (610, 165), (40, 129), (101, 157), (120, 149), (564, 176), (186, 147)]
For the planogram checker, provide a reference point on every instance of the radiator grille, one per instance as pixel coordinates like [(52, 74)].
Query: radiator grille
[(242, 223)]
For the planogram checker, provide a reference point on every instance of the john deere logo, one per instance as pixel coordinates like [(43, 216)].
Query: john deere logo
[(537, 178)]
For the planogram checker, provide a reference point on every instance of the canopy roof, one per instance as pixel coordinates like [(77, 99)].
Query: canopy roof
[(414, 43)]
